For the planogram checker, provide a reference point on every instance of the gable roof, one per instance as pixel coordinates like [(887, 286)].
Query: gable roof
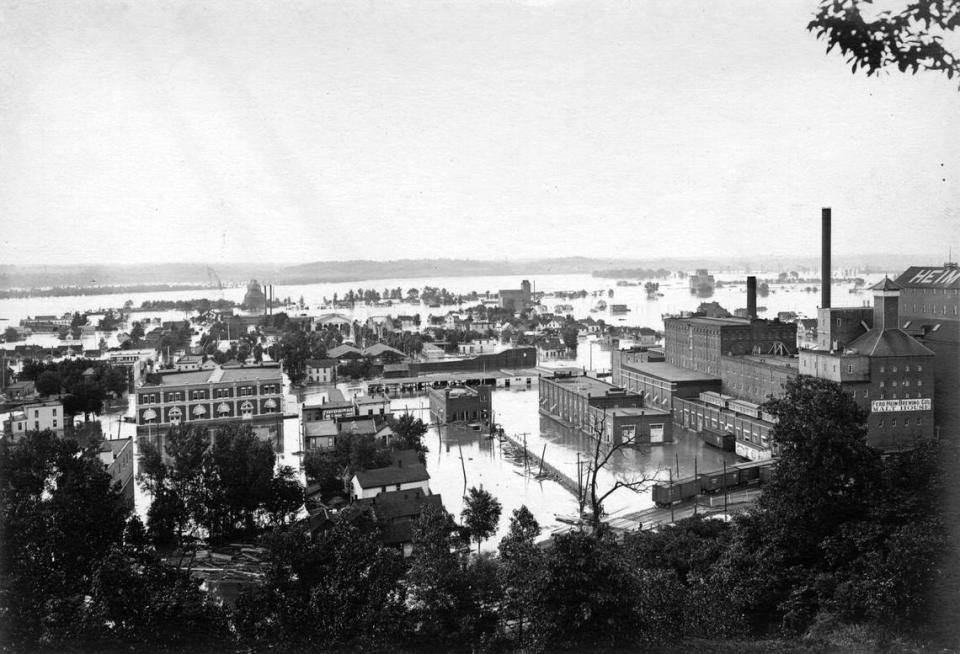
[(358, 427), (378, 349), (321, 363), (342, 350), (392, 475)]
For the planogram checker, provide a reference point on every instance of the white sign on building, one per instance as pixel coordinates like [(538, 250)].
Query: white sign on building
[(889, 406)]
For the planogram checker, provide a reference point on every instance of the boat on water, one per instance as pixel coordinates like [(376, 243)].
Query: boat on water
[(619, 308), (601, 306)]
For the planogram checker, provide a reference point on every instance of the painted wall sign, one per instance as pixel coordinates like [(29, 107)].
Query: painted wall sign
[(889, 406)]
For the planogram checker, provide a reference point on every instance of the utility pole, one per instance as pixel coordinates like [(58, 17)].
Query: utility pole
[(724, 486)]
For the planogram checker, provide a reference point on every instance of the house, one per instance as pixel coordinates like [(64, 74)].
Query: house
[(189, 362), (34, 417), (117, 456), (372, 405), (320, 434), (21, 390), (321, 371), (400, 476), (407, 323), (397, 513), (460, 403)]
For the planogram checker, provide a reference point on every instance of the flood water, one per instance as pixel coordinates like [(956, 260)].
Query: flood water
[(484, 461)]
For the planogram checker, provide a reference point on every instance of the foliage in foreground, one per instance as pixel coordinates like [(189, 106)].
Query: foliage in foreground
[(843, 545)]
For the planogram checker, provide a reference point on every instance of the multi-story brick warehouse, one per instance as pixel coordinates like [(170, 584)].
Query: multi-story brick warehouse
[(253, 394), (697, 342), (889, 373), (930, 311)]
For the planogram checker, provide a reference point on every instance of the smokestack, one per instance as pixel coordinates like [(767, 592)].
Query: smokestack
[(751, 297), (265, 302), (825, 259)]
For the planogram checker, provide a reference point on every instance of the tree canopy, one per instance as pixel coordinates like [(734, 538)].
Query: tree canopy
[(909, 38)]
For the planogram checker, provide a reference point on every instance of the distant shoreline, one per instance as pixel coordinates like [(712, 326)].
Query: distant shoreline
[(35, 280)]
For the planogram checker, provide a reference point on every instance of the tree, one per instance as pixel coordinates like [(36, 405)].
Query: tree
[(481, 514), (48, 383), (11, 335), (286, 496), (603, 452), (521, 569), (910, 39), (790, 557), (59, 516), (409, 433)]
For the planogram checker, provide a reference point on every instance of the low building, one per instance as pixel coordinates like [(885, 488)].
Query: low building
[(36, 416), (460, 403), (117, 456), (20, 391), (574, 399), (372, 405), (639, 426), (402, 475), (397, 513), (321, 371), (188, 362), (320, 435)]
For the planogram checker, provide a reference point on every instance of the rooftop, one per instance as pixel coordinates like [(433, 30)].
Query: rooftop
[(945, 276), (668, 371), (319, 428), (888, 343), (584, 385), (638, 411), (392, 475), (232, 374)]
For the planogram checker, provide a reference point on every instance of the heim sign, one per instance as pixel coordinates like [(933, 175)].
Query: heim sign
[(890, 406)]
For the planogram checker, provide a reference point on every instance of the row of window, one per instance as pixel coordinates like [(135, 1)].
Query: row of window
[(893, 422), (178, 396), (933, 309), (906, 368), (933, 291)]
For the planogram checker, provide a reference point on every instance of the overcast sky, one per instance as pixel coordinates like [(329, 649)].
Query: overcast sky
[(301, 131)]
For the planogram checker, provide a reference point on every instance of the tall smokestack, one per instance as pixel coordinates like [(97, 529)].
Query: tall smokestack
[(825, 259), (265, 302), (751, 297)]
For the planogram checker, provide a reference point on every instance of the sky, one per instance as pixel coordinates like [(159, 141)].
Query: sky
[(288, 132)]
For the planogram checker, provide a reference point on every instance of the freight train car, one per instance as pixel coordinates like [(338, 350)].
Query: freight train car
[(737, 476)]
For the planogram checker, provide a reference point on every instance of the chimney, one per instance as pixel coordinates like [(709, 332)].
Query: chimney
[(825, 259), (751, 297), (265, 301)]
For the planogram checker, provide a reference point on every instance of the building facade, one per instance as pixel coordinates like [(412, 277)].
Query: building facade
[(460, 403), (36, 416), (930, 311), (697, 342), (252, 394), (575, 399)]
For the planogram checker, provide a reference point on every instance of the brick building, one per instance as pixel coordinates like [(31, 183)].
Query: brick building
[(583, 402), (460, 403), (252, 394), (659, 382), (697, 342), (889, 373), (930, 311), (35, 416)]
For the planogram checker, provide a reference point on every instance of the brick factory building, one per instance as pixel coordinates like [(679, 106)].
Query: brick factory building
[(889, 373), (698, 342), (930, 311)]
